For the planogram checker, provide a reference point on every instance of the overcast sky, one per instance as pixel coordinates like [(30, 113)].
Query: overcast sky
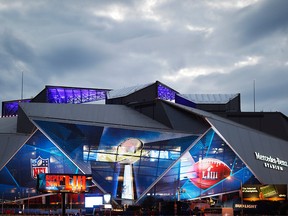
[(193, 46)]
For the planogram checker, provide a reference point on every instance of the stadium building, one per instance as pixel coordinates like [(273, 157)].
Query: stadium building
[(142, 141)]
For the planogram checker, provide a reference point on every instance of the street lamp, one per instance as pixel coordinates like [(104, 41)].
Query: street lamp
[(2, 203), (179, 192), (241, 192)]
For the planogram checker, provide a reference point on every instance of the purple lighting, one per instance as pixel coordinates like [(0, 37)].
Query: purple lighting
[(165, 93), (74, 95), (10, 108)]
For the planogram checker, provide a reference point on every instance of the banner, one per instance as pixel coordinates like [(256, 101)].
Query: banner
[(264, 192), (54, 183)]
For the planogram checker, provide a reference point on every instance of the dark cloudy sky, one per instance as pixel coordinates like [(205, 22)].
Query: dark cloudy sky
[(193, 46)]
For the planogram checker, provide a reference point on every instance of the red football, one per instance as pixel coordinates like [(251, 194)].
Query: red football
[(209, 171)]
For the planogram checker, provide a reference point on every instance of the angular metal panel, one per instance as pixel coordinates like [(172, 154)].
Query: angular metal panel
[(95, 114), (247, 142)]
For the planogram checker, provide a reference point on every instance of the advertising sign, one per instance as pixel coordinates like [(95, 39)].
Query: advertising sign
[(264, 192), (55, 183)]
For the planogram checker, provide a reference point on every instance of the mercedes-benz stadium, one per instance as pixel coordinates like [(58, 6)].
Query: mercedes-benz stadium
[(139, 142)]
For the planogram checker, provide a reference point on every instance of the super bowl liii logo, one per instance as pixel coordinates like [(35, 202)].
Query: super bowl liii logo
[(39, 165)]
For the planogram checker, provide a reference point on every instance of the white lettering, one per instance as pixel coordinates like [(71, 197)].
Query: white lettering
[(282, 162), (246, 206), (265, 158), (209, 175), (249, 190), (271, 162), (273, 166)]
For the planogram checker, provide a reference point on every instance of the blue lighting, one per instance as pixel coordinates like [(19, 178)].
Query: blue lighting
[(10, 108), (74, 95), (166, 93)]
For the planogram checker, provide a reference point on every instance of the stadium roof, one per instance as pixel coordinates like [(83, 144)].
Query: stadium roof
[(209, 98), (125, 91), (109, 115)]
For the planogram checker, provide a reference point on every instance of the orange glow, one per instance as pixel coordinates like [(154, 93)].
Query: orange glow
[(66, 182)]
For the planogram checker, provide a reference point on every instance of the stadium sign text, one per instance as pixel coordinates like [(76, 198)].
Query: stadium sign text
[(271, 162)]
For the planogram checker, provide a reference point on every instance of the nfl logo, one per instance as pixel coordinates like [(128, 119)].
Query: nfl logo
[(39, 165)]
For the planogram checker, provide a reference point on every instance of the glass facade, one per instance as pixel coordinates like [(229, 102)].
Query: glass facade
[(56, 94), (165, 93), (128, 163), (18, 178), (10, 108), (74, 95)]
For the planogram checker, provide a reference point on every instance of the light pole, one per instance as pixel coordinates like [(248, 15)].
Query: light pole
[(2, 203), (241, 192)]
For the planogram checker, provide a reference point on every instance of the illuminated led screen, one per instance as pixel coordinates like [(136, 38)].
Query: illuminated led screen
[(264, 192), (54, 183), (91, 201)]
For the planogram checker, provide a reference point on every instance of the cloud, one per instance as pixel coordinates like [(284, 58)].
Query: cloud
[(264, 19), (16, 48), (254, 24), (192, 46), (72, 56)]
